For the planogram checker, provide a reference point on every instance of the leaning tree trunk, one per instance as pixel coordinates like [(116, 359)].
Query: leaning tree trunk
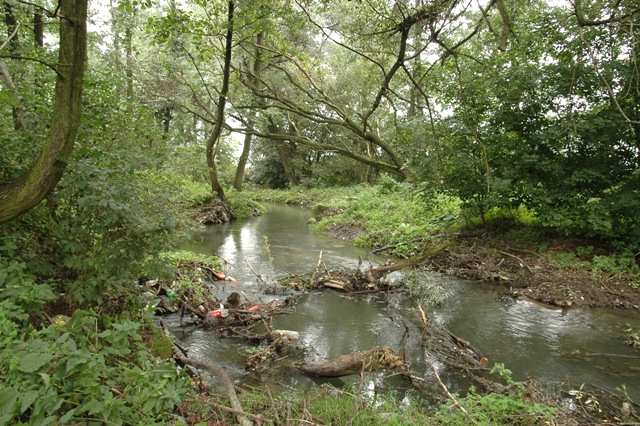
[(244, 156), (28, 190), (214, 140), (246, 146)]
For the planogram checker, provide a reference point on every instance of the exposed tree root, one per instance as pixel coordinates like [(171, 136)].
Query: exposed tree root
[(215, 212)]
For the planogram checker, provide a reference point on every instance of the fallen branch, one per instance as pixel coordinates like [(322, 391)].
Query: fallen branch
[(257, 418), (456, 403), (226, 381), (522, 263)]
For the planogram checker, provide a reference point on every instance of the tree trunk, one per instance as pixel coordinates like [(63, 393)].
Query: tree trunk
[(12, 32), (115, 20), (38, 29), (284, 153), (246, 146), (244, 156), (128, 41), (26, 192), (213, 142)]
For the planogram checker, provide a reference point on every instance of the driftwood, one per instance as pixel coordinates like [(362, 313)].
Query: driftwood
[(355, 362), (226, 381), (279, 341), (336, 285), (315, 272)]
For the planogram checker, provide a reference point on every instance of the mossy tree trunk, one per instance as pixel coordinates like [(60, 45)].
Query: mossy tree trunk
[(27, 191)]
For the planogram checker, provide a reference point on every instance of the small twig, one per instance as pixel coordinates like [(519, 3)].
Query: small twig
[(423, 317), (522, 263), (239, 412), (258, 276)]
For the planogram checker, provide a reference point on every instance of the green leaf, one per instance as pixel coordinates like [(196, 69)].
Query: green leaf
[(8, 400), (27, 399), (32, 362), (68, 416)]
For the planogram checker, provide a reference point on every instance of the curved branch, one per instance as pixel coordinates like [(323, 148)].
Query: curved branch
[(322, 147), (40, 61), (27, 191)]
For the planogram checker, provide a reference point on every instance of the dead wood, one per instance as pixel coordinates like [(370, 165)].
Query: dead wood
[(257, 418), (279, 340), (312, 282), (336, 285), (226, 381), (355, 362)]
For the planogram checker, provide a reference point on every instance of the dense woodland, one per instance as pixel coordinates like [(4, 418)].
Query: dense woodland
[(118, 118)]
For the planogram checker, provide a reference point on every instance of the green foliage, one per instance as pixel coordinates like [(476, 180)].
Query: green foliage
[(19, 292), (622, 265), (86, 368), (495, 409), (337, 407), (616, 264), (393, 215), (178, 258), (243, 204), (568, 260)]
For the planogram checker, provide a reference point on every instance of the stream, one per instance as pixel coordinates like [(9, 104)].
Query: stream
[(549, 344)]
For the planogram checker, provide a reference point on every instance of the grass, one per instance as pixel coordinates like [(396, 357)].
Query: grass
[(332, 406)]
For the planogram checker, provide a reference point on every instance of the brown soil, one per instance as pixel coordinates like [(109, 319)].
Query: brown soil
[(527, 273), (346, 231)]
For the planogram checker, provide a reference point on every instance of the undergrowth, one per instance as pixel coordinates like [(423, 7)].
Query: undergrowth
[(81, 368)]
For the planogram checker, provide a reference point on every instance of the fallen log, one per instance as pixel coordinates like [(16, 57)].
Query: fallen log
[(355, 362)]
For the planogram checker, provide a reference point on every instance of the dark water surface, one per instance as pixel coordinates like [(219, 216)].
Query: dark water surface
[(581, 346)]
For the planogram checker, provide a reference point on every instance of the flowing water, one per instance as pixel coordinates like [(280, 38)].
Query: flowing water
[(552, 345)]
